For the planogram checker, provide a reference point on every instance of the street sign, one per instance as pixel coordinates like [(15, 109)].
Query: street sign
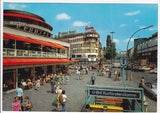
[(123, 62), (123, 94)]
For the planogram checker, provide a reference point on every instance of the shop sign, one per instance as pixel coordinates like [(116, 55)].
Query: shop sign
[(123, 94), (88, 28), (67, 33), (113, 100)]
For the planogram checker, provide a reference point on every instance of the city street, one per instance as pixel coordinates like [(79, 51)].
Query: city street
[(43, 100)]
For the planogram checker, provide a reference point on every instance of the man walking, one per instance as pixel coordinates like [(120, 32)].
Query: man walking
[(53, 82), (78, 73), (93, 77), (19, 92)]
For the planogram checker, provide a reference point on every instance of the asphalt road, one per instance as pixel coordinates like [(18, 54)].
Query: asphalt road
[(43, 100)]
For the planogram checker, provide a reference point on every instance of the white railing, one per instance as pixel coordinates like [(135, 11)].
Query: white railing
[(7, 52)]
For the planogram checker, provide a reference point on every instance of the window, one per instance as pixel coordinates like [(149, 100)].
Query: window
[(73, 56), (79, 56)]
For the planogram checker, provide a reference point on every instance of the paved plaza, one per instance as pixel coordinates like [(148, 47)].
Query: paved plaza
[(43, 100)]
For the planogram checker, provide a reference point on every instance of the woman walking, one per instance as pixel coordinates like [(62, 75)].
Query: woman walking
[(59, 92), (38, 83), (16, 104)]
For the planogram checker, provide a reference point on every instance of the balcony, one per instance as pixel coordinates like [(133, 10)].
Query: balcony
[(7, 52)]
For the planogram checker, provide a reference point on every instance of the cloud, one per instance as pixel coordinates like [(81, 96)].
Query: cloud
[(16, 6), (122, 25), (132, 13), (153, 29), (63, 16), (132, 39), (80, 23), (116, 40), (136, 20)]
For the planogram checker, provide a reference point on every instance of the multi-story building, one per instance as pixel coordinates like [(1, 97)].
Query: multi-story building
[(139, 41), (83, 46), (148, 50), (29, 49)]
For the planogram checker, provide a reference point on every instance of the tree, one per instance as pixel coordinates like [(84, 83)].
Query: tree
[(110, 52)]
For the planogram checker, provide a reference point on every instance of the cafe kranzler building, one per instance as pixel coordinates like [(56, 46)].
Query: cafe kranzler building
[(29, 49)]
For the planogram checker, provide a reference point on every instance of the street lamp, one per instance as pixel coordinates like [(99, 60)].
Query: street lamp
[(112, 45), (130, 39)]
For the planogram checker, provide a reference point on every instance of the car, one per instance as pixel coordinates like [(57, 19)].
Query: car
[(137, 68), (93, 67), (116, 65), (153, 71), (71, 67), (146, 68), (150, 89)]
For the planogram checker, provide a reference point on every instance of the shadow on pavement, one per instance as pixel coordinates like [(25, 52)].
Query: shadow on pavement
[(56, 110), (54, 104), (49, 91)]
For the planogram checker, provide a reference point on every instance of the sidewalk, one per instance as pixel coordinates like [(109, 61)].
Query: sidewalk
[(43, 100)]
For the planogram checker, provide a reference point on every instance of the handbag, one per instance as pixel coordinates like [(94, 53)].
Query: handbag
[(55, 99)]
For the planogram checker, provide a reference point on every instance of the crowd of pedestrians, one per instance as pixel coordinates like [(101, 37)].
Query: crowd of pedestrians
[(56, 81), (20, 103)]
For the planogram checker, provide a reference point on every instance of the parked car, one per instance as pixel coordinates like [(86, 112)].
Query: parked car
[(150, 89), (153, 71), (116, 65), (146, 68), (137, 68), (93, 67), (71, 67)]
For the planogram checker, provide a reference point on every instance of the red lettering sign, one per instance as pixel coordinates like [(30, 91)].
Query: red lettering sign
[(88, 28), (113, 100)]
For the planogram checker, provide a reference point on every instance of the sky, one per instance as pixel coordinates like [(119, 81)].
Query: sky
[(123, 19)]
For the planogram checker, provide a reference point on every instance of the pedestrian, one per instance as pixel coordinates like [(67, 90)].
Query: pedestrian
[(93, 77), (60, 78), (44, 79), (16, 104), (141, 82), (109, 73), (86, 70), (65, 98), (53, 85), (81, 74), (57, 86), (38, 82), (63, 79), (115, 74), (27, 104), (78, 73), (19, 92), (59, 92), (66, 79)]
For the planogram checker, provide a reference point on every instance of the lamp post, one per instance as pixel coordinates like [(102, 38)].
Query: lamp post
[(112, 45), (130, 39)]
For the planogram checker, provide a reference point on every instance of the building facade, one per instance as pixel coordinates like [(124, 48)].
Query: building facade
[(148, 50), (29, 49), (83, 46), (139, 41)]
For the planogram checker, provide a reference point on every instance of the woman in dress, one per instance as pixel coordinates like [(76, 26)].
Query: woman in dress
[(38, 83), (59, 92), (16, 104)]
